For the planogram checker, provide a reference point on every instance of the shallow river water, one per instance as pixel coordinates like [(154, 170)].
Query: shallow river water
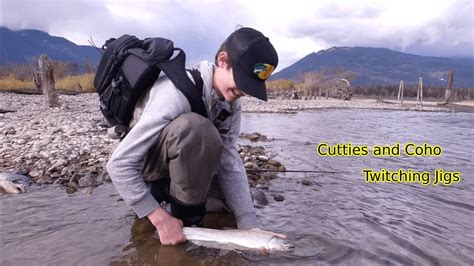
[(334, 218)]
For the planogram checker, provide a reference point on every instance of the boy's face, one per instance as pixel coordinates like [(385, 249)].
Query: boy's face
[(224, 80)]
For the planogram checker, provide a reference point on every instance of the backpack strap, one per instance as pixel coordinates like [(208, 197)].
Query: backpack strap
[(173, 69), (198, 82)]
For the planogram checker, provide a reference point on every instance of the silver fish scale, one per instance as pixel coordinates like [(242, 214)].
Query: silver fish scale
[(236, 239)]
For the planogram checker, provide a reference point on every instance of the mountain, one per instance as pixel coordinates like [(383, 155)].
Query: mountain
[(24, 45), (377, 66)]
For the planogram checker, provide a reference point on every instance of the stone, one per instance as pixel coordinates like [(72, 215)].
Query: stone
[(89, 180), (75, 178), (278, 197), (251, 165), (21, 141), (44, 181), (274, 163), (253, 137), (259, 197), (36, 173), (70, 189)]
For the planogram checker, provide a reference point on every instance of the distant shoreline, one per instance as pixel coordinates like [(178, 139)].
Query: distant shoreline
[(251, 105)]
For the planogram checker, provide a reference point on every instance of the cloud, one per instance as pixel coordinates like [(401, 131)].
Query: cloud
[(399, 25), (199, 28), (296, 28)]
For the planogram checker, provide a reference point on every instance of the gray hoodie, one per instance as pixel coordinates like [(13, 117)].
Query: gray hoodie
[(160, 106)]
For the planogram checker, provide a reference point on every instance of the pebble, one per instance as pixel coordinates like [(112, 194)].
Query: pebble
[(69, 146), (54, 143), (278, 197), (259, 197), (287, 106)]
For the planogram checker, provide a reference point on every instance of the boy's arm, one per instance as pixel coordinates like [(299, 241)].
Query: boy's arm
[(233, 178)]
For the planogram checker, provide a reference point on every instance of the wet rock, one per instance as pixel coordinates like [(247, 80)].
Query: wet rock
[(89, 180), (278, 197), (61, 181), (254, 137), (66, 171), (75, 178), (255, 160), (71, 187), (259, 197), (104, 177), (251, 166), (36, 173), (54, 175), (262, 187), (44, 181), (274, 163)]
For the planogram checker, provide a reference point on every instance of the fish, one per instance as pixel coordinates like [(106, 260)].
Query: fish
[(235, 239), (14, 183)]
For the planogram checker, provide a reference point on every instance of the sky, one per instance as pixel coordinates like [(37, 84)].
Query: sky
[(296, 28)]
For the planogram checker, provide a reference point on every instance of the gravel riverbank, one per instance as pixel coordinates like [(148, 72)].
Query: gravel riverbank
[(69, 145), (293, 106)]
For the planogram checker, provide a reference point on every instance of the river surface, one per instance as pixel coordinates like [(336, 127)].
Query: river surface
[(334, 218)]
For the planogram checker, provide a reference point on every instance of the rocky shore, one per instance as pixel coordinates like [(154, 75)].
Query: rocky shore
[(69, 145), (293, 106), (66, 145)]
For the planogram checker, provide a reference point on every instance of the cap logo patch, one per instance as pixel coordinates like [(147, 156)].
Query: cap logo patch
[(263, 71)]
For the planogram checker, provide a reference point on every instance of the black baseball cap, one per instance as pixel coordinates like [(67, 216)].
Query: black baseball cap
[(253, 60)]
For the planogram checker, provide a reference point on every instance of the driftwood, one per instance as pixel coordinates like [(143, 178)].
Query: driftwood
[(400, 92), (47, 82), (448, 88), (37, 80), (419, 91)]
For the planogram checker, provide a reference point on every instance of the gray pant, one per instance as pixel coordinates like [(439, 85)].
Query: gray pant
[(188, 152)]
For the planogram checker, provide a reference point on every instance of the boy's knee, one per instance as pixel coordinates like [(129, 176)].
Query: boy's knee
[(198, 131)]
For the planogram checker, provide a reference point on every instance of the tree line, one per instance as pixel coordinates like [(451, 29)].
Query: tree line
[(69, 76), (335, 83), (27, 71), (326, 82)]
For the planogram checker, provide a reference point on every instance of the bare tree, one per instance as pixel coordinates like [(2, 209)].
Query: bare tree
[(335, 82)]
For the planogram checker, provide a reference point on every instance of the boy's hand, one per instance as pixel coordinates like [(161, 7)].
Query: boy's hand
[(169, 228)]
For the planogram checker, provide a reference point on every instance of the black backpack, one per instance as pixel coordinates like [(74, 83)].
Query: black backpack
[(130, 66)]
